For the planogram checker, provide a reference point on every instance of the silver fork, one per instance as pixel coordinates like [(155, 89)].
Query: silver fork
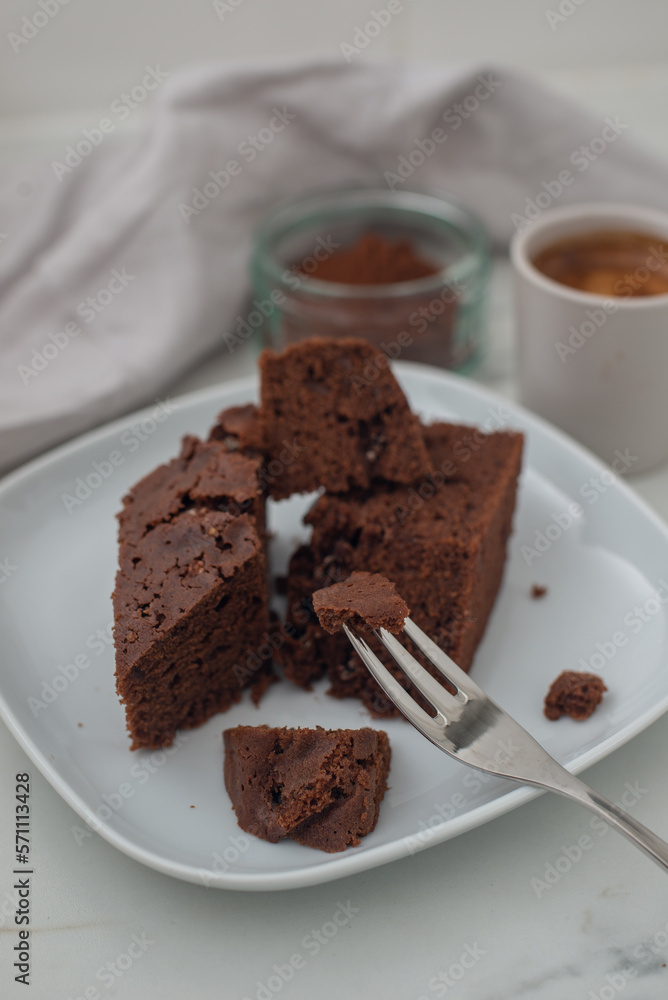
[(470, 727)]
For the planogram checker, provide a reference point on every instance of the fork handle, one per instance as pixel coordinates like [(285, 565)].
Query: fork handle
[(571, 787)]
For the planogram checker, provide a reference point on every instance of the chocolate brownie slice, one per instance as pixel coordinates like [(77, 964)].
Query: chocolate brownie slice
[(238, 427), (575, 694), (320, 787), (333, 415), (442, 543), (364, 600), (191, 595)]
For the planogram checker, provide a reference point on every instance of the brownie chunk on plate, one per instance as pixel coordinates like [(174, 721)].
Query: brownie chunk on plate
[(238, 427), (443, 545), (322, 788), (191, 593), (575, 694), (335, 412)]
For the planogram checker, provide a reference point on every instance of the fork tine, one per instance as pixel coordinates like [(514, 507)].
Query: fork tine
[(434, 692), (445, 666), (428, 726)]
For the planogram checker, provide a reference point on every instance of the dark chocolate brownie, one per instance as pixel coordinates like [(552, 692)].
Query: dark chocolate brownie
[(191, 594), (365, 601), (308, 650), (238, 427), (574, 694), (320, 787), (333, 416), (442, 543)]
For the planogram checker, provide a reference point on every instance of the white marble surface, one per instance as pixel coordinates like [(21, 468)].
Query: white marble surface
[(600, 930)]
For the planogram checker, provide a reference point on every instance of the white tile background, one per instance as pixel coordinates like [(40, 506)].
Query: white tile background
[(91, 50)]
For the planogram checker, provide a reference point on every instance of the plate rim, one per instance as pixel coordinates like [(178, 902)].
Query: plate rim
[(351, 861)]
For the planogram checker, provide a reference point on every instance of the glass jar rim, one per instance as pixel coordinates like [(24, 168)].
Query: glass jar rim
[(291, 215)]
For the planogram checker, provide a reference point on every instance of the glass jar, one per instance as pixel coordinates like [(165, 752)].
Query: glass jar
[(437, 319)]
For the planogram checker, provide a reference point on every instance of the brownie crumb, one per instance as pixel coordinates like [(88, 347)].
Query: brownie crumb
[(574, 694), (322, 788), (364, 600), (538, 591)]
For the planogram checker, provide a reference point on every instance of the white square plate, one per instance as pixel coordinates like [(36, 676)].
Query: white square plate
[(604, 611)]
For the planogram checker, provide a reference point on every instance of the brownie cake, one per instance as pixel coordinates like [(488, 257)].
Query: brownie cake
[(238, 427), (443, 544), (337, 414), (320, 787), (575, 694), (365, 601), (191, 593)]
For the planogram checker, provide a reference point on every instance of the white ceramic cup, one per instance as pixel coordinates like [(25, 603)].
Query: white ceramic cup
[(594, 365)]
